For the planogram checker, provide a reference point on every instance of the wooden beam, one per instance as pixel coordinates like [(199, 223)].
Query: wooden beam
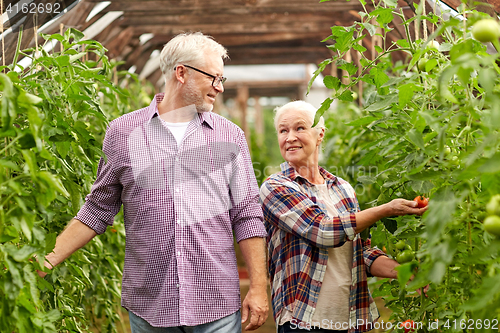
[(238, 7)]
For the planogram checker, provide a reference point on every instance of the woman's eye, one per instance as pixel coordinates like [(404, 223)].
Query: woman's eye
[(300, 128)]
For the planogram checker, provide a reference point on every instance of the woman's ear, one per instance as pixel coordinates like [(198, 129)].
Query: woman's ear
[(321, 136)]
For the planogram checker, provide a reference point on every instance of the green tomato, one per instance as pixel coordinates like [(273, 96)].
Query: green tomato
[(493, 206), (433, 45), (394, 292), (405, 256), (486, 30), (400, 245), (421, 64), (492, 225)]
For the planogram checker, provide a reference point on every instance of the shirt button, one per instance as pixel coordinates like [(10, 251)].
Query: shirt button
[(178, 221), (177, 190), (178, 253), (177, 285)]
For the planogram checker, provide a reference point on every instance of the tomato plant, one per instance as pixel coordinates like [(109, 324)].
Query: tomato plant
[(53, 116), (435, 132)]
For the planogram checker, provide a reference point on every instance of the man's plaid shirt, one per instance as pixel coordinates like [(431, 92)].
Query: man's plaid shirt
[(298, 235)]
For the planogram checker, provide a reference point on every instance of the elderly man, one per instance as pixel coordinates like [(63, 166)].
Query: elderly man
[(185, 179)]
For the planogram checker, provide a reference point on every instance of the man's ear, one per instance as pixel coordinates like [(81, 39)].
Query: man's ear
[(180, 74)]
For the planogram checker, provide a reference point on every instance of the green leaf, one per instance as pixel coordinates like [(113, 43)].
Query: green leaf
[(403, 43), (63, 60), (322, 109), (54, 182), (492, 165), (27, 141), (405, 272), (20, 254), (332, 82), (415, 137), (359, 47), (379, 77), (486, 78), (349, 67), (9, 164), (383, 15), (406, 93), (383, 104), (444, 83), (430, 64), (346, 96), (362, 121), (370, 28)]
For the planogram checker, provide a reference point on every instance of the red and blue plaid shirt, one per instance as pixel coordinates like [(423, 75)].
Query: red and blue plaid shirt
[(298, 236)]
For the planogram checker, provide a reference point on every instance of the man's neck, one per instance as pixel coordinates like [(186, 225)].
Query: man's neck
[(172, 109)]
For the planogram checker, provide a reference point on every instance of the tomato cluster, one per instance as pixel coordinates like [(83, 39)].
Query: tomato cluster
[(492, 222), (404, 252)]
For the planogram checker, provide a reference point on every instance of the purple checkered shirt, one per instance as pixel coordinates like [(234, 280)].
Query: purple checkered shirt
[(181, 205)]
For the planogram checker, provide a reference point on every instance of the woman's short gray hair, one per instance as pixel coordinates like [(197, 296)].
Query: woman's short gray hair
[(308, 108), (189, 48)]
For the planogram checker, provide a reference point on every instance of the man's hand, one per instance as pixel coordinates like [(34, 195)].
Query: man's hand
[(255, 308)]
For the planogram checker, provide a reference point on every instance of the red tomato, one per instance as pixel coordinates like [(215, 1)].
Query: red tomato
[(421, 201), (409, 326)]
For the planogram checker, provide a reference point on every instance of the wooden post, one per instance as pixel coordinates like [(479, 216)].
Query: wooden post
[(242, 99), (1, 31), (61, 27), (259, 122), (345, 75)]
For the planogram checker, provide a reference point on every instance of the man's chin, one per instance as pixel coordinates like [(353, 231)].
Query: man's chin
[(205, 108)]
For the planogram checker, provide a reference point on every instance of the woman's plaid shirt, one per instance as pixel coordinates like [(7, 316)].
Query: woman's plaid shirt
[(298, 235)]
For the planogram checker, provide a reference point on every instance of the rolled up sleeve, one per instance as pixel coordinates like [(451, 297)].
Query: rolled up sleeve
[(103, 202), (294, 212)]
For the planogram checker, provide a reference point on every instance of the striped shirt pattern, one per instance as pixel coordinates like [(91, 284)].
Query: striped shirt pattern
[(181, 204), (298, 235)]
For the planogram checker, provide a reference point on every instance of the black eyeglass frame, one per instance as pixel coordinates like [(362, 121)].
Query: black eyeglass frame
[(220, 79)]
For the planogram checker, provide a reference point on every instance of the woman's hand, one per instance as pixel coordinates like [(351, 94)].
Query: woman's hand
[(396, 207), (399, 207)]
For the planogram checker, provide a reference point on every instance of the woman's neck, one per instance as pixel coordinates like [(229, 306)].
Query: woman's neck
[(311, 173)]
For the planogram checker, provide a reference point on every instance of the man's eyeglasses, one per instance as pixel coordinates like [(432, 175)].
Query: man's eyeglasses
[(216, 79)]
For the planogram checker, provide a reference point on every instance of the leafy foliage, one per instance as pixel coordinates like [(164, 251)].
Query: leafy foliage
[(432, 131), (53, 117)]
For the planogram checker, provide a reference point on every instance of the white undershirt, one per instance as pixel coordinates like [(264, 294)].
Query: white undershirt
[(177, 129)]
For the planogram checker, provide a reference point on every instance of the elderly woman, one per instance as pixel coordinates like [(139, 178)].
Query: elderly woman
[(318, 263)]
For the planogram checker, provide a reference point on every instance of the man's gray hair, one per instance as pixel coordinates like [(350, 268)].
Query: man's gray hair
[(307, 108), (188, 48)]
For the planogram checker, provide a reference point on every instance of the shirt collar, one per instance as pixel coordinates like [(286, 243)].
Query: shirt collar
[(289, 172), (203, 117)]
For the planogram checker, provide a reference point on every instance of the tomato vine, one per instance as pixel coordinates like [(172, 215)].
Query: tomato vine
[(426, 127)]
